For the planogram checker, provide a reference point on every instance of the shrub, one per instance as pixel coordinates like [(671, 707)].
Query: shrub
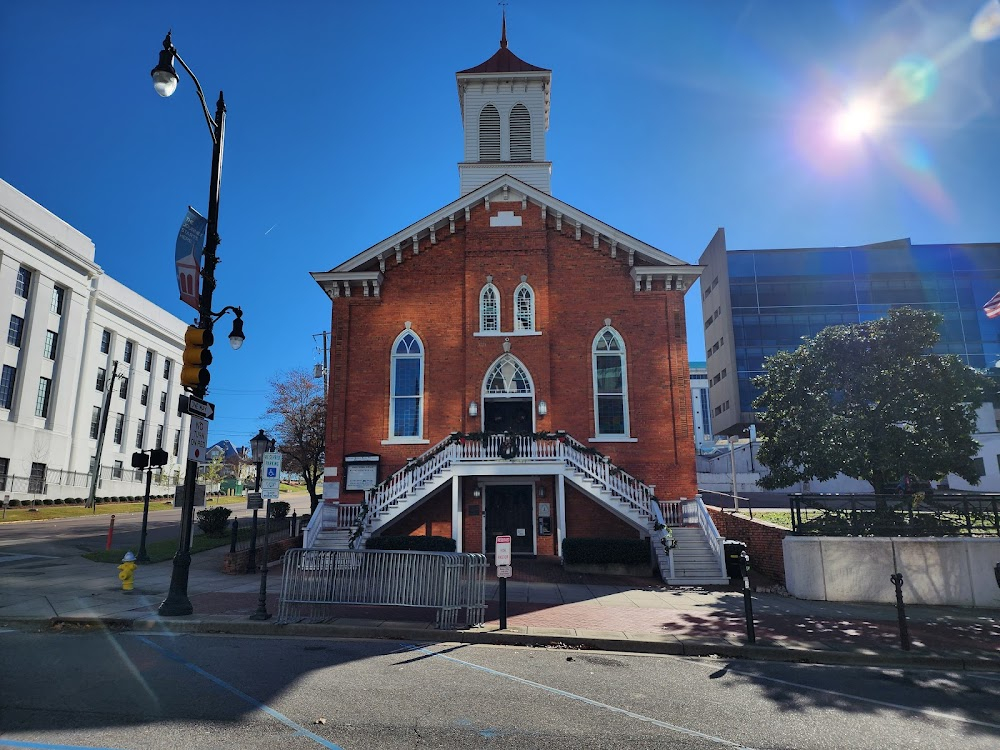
[(419, 543), (15, 503), (279, 509), (57, 501), (213, 521), (46, 501), (582, 551)]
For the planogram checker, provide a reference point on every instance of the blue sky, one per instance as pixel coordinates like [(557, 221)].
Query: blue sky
[(669, 120)]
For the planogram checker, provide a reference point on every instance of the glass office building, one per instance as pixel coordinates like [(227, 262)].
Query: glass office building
[(759, 302)]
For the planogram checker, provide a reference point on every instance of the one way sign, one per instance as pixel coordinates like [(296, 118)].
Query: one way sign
[(197, 408)]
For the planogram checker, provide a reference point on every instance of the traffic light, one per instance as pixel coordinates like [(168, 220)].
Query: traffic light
[(197, 358)]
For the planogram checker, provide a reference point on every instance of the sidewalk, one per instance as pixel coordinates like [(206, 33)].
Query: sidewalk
[(546, 607)]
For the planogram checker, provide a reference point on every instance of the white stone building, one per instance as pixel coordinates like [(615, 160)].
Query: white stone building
[(68, 323)]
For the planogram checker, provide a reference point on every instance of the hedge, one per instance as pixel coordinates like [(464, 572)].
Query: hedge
[(418, 543), (582, 551)]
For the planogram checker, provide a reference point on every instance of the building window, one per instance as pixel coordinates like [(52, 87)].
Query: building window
[(102, 376), (58, 294), (15, 330), (407, 386), (489, 309), (177, 441), (148, 366), (51, 344), (95, 423), (508, 377), (520, 133), (144, 395), (610, 384), (42, 401), (119, 428), (128, 352), (7, 380), (36, 482), (489, 134), (116, 470), (23, 283), (524, 308), (123, 388), (166, 368), (159, 436), (140, 433), (4, 467), (163, 402), (980, 465), (105, 341)]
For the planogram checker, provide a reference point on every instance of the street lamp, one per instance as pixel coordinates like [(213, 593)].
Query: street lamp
[(259, 443), (165, 83)]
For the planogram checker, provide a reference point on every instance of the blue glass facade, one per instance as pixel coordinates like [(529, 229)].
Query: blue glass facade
[(780, 296)]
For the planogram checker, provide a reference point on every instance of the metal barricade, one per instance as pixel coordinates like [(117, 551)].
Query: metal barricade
[(446, 581)]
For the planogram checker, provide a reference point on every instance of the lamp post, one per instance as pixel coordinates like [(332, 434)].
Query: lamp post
[(165, 82), (258, 444)]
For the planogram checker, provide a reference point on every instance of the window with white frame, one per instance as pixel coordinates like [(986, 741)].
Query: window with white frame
[(22, 285), (610, 384), (489, 309), (58, 297), (524, 308), (407, 387), (508, 377)]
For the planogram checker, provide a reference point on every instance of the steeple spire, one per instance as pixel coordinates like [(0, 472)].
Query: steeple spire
[(503, 32)]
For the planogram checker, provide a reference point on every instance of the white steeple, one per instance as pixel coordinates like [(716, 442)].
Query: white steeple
[(505, 113)]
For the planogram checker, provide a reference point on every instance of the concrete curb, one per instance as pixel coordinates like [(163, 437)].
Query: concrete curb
[(670, 645)]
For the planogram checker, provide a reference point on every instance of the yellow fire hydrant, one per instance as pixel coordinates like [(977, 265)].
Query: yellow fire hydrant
[(126, 571)]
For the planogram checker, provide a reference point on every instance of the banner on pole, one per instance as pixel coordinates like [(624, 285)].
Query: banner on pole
[(187, 256)]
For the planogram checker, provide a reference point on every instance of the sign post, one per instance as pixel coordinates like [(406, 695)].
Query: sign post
[(504, 572)]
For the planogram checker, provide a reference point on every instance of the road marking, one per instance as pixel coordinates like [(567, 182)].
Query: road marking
[(887, 704), (42, 746), (582, 699), (300, 730)]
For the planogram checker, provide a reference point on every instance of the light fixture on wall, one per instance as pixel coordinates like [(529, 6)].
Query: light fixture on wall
[(543, 408), (477, 493), (473, 409), (541, 491)]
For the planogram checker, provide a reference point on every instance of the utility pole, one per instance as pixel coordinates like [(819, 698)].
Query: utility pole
[(109, 386), (326, 364)]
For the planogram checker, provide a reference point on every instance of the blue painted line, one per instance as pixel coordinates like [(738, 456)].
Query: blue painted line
[(43, 746), (588, 701), (300, 731)]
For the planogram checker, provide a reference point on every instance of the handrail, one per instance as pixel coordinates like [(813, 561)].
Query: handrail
[(314, 526), (660, 533), (715, 540)]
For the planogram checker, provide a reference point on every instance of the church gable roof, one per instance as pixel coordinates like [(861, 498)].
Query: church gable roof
[(647, 262)]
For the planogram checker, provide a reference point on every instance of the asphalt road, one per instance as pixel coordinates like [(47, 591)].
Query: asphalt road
[(69, 537), (123, 691)]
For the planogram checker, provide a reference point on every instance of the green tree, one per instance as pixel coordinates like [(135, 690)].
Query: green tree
[(298, 409), (870, 401), (213, 469)]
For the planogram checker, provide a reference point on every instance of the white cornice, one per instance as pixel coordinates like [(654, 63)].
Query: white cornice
[(89, 267), (340, 284)]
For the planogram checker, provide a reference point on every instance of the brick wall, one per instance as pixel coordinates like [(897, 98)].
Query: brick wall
[(585, 518), (235, 563), (763, 541)]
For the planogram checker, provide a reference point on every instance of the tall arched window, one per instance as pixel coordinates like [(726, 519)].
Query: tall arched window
[(489, 309), (524, 308), (407, 387), (507, 377), (489, 134), (610, 384), (520, 133)]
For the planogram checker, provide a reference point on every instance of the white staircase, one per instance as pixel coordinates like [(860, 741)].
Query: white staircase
[(696, 559)]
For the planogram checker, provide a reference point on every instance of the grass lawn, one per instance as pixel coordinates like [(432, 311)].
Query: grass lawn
[(160, 551)]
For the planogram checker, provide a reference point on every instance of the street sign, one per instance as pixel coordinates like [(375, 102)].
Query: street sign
[(271, 476), (199, 496), (198, 408), (198, 439), (254, 501), (503, 551), (504, 571)]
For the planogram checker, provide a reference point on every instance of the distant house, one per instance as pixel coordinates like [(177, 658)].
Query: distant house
[(236, 461)]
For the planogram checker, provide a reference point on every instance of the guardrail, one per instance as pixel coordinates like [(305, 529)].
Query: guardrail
[(446, 581), (715, 540)]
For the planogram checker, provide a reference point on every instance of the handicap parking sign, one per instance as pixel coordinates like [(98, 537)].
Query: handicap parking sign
[(272, 472)]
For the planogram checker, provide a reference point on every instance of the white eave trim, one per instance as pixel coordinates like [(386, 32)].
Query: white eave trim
[(666, 278), (340, 284)]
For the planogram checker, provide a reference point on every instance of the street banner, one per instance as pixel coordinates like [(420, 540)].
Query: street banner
[(187, 256)]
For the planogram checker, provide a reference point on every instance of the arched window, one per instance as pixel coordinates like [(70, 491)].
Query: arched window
[(610, 384), (407, 387), (508, 377), (524, 308), (489, 134), (520, 133), (489, 309)]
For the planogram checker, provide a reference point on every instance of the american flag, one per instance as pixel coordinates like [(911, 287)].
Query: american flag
[(992, 308)]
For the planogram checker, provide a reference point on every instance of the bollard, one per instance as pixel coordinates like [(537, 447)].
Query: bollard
[(747, 601), (111, 533), (904, 632), (295, 521), (234, 535)]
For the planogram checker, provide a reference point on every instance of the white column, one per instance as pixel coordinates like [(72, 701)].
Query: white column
[(561, 510), (456, 512)]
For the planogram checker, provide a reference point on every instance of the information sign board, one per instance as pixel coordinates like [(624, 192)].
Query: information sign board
[(504, 571), (503, 551), (271, 475)]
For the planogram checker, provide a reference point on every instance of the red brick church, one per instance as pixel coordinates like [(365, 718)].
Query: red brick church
[(508, 364)]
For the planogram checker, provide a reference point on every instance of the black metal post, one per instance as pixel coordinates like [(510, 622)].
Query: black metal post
[(503, 603), (747, 601), (234, 534), (143, 556), (904, 631), (252, 557), (262, 613), (177, 601)]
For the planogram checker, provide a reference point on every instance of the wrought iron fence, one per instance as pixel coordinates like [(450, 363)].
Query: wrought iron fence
[(919, 514), (277, 529)]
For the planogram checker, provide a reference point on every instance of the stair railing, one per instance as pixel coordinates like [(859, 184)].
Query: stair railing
[(715, 539), (637, 495), (660, 534), (314, 526)]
